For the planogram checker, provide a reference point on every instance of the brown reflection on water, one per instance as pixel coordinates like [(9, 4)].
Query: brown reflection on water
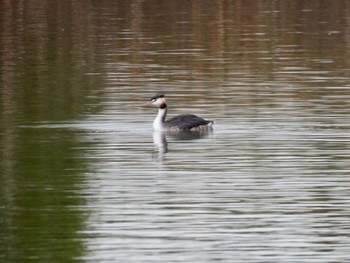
[(209, 39)]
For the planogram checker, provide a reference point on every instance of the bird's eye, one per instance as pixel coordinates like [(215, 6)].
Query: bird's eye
[(153, 100)]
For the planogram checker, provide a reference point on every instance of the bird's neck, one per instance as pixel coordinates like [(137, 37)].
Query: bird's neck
[(158, 123)]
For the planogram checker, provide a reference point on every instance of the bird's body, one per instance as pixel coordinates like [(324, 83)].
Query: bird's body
[(184, 122)]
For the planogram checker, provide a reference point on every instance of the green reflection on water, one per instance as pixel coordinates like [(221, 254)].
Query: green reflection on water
[(41, 202), (43, 79)]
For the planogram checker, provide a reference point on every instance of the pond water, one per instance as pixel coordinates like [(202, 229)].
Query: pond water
[(85, 179)]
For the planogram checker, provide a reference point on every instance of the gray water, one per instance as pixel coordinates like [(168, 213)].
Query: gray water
[(85, 179)]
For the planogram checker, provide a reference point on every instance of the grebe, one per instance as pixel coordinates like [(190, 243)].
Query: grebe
[(184, 122)]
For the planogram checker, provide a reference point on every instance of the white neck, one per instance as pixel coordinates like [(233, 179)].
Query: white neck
[(158, 123)]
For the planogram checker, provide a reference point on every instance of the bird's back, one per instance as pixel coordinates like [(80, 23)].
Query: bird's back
[(188, 122)]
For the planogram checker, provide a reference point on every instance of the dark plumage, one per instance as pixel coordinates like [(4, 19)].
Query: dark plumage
[(186, 122), (157, 96)]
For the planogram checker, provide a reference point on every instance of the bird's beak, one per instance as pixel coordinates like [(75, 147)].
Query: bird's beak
[(148, 104)]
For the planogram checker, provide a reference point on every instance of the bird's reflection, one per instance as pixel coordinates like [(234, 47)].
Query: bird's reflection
[(160, 138), (160, 142)]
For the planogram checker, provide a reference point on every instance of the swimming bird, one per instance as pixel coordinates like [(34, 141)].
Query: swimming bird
[(184, 122)]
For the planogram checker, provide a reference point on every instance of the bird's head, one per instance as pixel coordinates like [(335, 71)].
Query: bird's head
[(157, 101)]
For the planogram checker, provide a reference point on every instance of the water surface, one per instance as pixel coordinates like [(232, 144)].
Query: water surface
[(84, 177)]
